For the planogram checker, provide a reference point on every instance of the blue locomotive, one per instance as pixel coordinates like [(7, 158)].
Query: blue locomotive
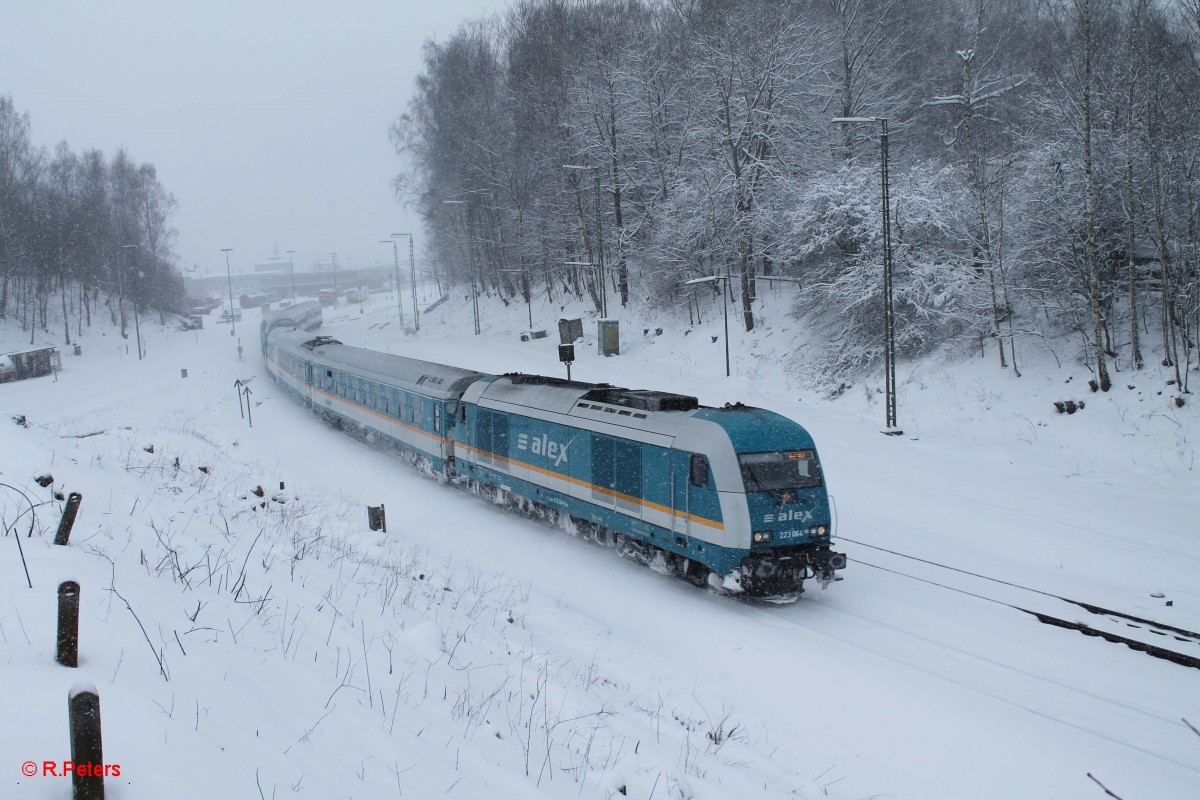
[(730, 497)]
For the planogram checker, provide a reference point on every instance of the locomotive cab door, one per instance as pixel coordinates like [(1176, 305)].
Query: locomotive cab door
[(694, 496)]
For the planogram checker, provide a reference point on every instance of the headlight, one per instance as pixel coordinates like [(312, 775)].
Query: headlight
[(764, 537), (818, 530)]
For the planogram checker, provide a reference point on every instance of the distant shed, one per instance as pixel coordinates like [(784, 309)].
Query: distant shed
[(31, 363)]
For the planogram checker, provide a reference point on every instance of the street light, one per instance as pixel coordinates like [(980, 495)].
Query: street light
[(396, 256), (292, 273), (333, 266), (725, 306), (889, 332), (726, 279), (136, 325), (229, 278), (471, 257), (599, 235), (412, 277)]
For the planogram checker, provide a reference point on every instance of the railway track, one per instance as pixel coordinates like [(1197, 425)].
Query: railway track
[(1157, 639)]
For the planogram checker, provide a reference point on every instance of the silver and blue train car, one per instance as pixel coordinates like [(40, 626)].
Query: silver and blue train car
[(381, 398), (305, 316), (733, 497), (730, 497)]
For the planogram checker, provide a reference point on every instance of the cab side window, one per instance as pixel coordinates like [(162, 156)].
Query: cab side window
[(699, 470)]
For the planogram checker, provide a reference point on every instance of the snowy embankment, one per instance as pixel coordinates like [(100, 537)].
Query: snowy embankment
[(245, 644)]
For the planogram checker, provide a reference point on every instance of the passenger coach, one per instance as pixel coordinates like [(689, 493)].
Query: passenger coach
[(381, 397)]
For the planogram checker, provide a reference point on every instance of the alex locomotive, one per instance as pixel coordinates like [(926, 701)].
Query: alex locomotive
[(732, 497)]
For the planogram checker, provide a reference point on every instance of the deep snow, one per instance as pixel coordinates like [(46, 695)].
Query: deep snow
[(288, 650)]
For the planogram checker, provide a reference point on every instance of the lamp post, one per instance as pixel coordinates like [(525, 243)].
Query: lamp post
[(229, 278), (724, 304), (137, 326), (412, 277), (471, 258), (292, 273), (889, 332), (396, 257), (333, 266), (599, 234)]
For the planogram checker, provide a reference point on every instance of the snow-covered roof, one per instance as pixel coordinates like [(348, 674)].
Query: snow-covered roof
[(425, 377)]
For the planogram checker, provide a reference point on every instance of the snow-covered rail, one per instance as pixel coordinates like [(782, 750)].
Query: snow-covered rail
[(1137, 633)]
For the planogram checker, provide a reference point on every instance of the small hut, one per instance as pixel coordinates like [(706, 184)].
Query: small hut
[(31, 363)]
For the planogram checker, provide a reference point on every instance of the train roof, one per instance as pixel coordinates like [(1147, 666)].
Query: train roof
[(757, 430), (749, 429), (641, 409), (298, 315), (423, 377)]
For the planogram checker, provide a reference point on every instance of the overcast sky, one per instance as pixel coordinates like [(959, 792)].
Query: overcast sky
[(267, 119)]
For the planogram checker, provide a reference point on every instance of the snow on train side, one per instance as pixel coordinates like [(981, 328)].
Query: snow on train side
[(732, 497)]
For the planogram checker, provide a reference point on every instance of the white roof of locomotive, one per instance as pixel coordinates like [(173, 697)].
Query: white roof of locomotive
[(511, 393)]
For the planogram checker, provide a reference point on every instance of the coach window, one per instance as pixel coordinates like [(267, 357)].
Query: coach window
[(699, 470), (437, 418)]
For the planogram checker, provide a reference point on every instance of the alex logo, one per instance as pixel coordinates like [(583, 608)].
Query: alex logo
[(543, 446), (789, 516)]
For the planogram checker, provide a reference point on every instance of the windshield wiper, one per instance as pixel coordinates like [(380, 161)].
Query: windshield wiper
[(750, 476)]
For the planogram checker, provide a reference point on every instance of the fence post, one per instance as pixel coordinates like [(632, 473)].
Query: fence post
[(87, 750), (68, 624), (68, 518)]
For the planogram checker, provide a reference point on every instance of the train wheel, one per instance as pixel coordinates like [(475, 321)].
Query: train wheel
[(693, 572), (662, 562), (633, 550)]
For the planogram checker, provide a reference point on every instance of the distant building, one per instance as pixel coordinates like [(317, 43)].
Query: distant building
[(274, 278), (32, 363)]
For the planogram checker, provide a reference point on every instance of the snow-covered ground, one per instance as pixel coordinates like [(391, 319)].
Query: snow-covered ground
[(273, 646)]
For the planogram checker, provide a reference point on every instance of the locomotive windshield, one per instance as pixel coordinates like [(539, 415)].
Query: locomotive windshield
[(768, 472)]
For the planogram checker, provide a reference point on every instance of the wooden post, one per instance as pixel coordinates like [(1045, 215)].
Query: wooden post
[(87, 751), (68, 624), (68, 518), (377, 517)]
